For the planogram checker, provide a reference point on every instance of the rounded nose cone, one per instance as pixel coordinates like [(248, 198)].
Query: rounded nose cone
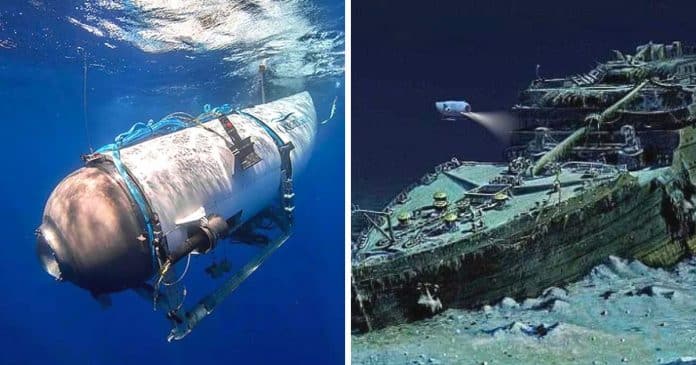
[(89, 234)]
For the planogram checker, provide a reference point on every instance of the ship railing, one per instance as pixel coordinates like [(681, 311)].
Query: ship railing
[(583, 166), (485, 194), (401, 198), (369, 215), (426, 179)]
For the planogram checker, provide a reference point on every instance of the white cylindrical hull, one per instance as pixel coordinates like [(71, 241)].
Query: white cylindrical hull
[(182, 172)]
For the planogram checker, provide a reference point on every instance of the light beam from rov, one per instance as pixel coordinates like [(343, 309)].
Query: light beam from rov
[(499, 123)]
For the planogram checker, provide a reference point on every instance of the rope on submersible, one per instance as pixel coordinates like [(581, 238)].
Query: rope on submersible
[(181, 277), (84, 96)]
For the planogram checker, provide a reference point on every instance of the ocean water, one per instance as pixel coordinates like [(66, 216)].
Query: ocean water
[(146, 59)]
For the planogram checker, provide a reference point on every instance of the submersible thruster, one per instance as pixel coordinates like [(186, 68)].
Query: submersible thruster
[(137, 208)]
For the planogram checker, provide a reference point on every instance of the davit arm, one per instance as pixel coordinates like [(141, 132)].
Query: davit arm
[(562, 148)]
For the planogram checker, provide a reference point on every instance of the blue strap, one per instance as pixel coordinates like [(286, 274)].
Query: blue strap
[(140, 132), (138, 197), (276, 138)]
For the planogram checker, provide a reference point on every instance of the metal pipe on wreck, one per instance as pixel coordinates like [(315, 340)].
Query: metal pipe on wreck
[(562, 148)]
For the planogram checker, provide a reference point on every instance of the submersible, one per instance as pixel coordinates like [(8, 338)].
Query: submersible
[(173, 188)]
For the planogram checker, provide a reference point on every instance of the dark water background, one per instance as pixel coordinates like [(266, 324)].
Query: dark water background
[(406, 57), (289, 311)]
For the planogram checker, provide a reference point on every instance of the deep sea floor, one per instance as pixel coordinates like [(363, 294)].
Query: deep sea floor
[(622, 312)]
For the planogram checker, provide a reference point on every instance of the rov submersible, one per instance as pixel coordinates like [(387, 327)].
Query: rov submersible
[(166, 190)]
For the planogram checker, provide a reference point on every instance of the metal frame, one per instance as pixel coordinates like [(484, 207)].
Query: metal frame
[(365, 212)]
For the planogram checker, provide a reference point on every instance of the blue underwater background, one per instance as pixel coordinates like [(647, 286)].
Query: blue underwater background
[(291, 310)]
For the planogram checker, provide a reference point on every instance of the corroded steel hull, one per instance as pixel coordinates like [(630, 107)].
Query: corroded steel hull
[(600, 164), (634, 216)]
